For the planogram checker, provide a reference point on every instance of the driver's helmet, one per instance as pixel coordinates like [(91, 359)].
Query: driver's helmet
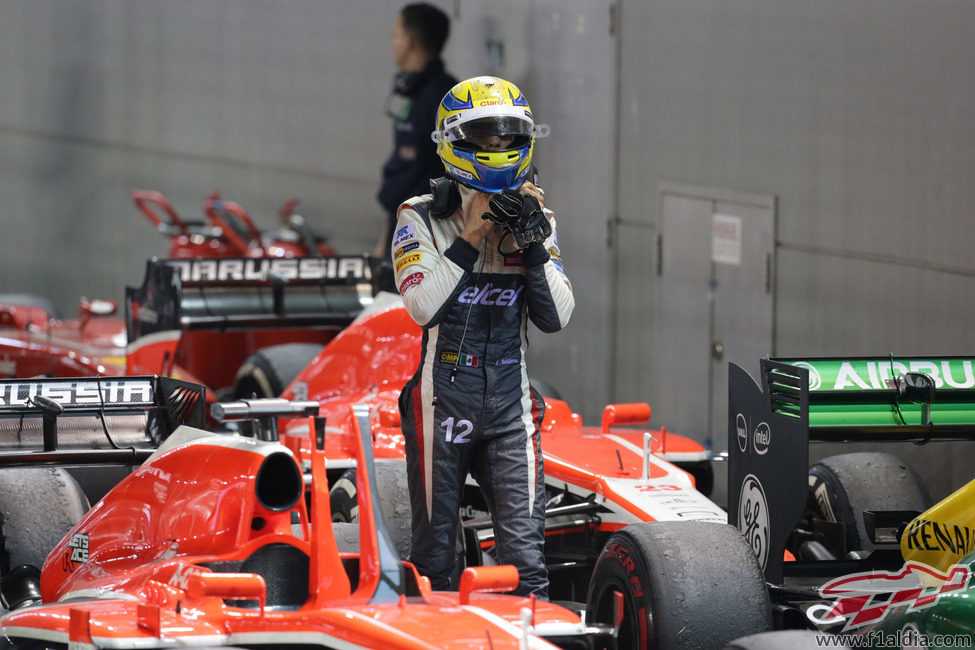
[(480, 107)]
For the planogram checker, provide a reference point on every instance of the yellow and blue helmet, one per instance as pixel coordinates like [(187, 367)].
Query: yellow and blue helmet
[(480, 107)]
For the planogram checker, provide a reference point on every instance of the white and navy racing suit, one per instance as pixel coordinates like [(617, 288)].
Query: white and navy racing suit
[(469, 407)]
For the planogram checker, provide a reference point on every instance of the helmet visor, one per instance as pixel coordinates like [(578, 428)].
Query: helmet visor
[(517, 127)]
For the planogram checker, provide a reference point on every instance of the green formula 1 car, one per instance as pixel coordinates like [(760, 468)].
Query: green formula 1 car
[(853, 545)]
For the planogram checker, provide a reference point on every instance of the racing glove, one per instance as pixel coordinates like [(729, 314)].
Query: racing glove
[(521, 215)]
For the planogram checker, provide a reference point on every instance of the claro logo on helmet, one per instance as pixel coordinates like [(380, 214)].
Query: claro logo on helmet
[(490, 295)]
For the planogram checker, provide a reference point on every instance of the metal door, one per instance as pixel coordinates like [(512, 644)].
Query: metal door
[(715, 289)]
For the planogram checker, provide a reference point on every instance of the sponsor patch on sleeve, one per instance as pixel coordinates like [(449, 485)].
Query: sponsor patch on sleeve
[(403, 262), (403, 250), (514, 260), (411, 280), (405, 234)]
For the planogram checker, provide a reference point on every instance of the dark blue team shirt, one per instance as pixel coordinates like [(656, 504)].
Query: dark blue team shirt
[(414, 161)]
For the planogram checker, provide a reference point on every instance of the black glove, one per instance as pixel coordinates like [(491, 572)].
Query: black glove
[(521, 215), (506, 206)]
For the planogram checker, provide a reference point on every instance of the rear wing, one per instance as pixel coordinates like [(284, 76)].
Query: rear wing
[(889, 399), (93, 419), (770, 425), (245, 293)]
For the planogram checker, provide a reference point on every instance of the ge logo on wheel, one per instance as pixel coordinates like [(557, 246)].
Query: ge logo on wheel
[(753, 520)]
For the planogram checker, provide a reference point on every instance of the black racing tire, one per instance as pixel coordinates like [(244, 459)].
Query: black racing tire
[(270, 370), (791, 639), (842, 488), (394, 501), (342, 498), (684, 584), (38, 506)]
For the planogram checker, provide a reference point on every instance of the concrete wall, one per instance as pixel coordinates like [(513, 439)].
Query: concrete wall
[(265, 101), (856, 115)]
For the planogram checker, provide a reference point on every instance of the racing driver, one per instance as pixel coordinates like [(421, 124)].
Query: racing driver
[(474, 260)]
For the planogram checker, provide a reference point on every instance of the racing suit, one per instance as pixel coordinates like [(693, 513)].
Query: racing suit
[(469, 406)]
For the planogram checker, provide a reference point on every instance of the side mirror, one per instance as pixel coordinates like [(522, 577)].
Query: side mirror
[(917, 387), (636, 413), (88, 309), (502, 577), (97, 307)]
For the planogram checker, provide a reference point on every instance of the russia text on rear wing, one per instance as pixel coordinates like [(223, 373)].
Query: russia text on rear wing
[(227, 294), (93, 419), (237, 293)]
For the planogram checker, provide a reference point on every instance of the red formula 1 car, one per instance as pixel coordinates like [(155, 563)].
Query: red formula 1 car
[(240, 326), (36, 341), (244, 326), (212, 543), (229, 231)]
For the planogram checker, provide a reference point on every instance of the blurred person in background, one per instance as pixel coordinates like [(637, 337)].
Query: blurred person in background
[(420, 83)]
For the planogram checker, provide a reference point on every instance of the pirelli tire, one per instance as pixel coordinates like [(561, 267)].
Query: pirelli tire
[(270, 370), (342, 498), (843, 487), (394, 499), (38, 506), (791, 639), (684, 584)]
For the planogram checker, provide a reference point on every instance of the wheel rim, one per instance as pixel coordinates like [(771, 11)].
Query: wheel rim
[(630, 633)]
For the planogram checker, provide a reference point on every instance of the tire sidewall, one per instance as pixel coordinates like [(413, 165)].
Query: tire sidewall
[(269, 371), (829, 501), (343, 498), (685, 584), (843, 487), (622, 567)]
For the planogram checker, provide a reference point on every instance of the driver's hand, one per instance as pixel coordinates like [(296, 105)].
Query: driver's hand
[(530, 189), (476, 227)]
